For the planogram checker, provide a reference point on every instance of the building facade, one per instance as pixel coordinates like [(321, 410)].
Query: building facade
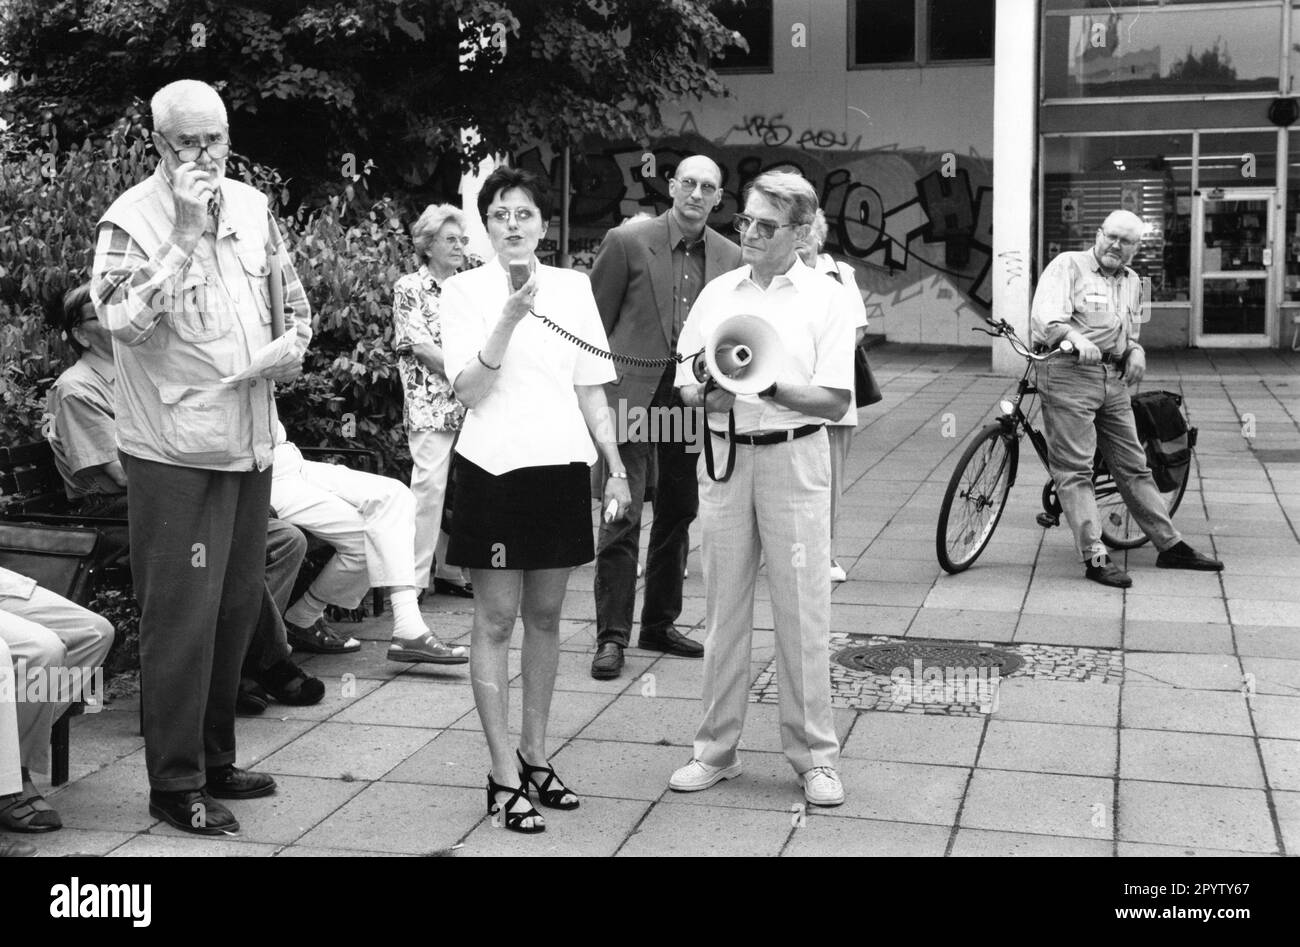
[(903, 112)]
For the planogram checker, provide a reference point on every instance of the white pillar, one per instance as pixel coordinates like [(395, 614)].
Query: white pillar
[(1015, 102)]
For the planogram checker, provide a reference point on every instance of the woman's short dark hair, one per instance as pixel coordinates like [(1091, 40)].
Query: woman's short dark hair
[(74, 302), (505, 179)]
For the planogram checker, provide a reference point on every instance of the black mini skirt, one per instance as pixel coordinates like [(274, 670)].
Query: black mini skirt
[(528, 518)]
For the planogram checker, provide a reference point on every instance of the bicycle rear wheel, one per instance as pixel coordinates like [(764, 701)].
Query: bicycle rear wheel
[(976, 495), (1119, 530)]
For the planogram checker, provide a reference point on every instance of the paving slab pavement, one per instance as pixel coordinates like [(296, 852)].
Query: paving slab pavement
[(1191, 748)]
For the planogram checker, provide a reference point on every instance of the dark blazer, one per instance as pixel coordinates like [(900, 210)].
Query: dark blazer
[(632, 279)]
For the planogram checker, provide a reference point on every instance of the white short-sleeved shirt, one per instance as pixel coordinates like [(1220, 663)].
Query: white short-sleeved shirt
[(814, 320), (530, 417), (825, 265)]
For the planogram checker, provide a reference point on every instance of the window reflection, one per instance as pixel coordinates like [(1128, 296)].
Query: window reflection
[(1172, 49)]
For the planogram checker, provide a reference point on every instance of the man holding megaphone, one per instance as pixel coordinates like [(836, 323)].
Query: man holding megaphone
[(777, 364)]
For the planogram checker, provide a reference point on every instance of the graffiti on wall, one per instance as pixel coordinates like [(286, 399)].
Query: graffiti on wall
[(915, 225)]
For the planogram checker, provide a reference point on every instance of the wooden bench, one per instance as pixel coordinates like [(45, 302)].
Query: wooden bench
[(61, 559), (31, 491)]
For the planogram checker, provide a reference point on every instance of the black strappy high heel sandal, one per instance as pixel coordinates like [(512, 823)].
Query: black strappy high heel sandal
[(551, 798), (514, 820)]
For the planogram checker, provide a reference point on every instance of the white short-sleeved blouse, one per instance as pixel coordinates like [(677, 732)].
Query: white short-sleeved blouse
[(530, 417)]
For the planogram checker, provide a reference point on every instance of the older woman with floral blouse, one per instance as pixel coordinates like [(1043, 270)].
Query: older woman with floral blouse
[(432, 413)]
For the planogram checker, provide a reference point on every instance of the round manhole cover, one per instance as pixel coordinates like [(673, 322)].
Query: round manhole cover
[(948, 658)]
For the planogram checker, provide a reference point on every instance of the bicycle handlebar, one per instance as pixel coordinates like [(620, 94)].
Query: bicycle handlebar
[(1002, 328)]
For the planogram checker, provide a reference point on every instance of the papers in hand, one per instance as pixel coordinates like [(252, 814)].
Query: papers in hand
[(267, 357)]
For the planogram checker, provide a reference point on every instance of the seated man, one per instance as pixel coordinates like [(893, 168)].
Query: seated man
[(79, 424), (370, 522), (46, 636), (11, 780)]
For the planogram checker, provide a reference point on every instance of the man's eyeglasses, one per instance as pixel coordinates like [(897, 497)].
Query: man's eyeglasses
[(455, 242), (217, 148), (690, 184), (522, 215), (766, 229), (1125, 242)]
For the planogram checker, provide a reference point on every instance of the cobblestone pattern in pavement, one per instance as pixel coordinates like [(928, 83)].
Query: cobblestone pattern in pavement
[(863, 690)]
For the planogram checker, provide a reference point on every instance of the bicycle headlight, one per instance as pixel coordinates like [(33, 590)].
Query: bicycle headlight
[(1007, 407)]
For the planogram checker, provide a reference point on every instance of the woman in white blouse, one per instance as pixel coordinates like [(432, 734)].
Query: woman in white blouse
[(522, 517)]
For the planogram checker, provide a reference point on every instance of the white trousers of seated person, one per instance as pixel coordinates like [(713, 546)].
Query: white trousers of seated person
[(11, 760), (431, 462), (43, 633), (368, 519), (776, 504)]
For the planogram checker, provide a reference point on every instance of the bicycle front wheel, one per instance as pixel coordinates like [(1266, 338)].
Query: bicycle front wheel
[(1119, 530), (976, 495)]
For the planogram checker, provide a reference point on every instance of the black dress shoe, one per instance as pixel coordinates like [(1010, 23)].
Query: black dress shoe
[(447, 587), (670, 641), (192, 810), (1183, 556), (252, 699), (231, 782), (608, 662), (1105, 572)]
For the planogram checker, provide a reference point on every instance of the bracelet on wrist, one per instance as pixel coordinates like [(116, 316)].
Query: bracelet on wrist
[(618, 475), (491, 368)]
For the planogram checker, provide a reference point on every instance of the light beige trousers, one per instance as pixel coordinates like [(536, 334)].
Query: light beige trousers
[(777, 503)]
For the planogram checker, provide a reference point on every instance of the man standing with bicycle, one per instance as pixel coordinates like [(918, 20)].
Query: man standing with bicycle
[(1091, 298)]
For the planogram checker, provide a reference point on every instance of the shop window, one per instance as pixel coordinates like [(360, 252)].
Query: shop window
[(1085, 178), (1093, 50), (752, 19), (907, 32)]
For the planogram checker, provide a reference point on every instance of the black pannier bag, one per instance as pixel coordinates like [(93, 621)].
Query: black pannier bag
[(1163, 430)]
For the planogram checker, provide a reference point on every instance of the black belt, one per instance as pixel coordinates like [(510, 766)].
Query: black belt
[(780, 437)]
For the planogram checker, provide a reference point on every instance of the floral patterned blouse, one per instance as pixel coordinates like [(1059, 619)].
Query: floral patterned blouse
[(430, 404)]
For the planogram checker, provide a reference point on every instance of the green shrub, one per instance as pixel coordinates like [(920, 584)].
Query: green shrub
[(347, 255)]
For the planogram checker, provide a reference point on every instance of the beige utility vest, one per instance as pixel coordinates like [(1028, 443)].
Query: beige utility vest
[(170, 402)]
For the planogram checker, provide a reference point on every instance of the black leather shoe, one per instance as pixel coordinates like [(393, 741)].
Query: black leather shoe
[(1183, 556), (231, 782), (192, 810), (670, 641), (1105, 572), (608, 662), (447, 587)]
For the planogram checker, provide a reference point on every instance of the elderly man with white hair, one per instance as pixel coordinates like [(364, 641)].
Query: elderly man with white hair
[(181, 278), (1091, 298)]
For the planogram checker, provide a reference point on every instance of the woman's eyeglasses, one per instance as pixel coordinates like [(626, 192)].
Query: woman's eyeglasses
[(456, 242), (522, 215), (766, 229)]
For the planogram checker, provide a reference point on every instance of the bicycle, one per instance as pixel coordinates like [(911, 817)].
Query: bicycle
[(977, 491)]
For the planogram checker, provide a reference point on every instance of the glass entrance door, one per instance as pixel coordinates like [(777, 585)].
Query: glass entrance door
[(1232, 268)]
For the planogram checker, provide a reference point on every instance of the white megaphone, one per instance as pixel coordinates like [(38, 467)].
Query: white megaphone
[(743, 355)]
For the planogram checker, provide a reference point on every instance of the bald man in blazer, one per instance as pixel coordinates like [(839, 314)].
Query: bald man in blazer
[(645, 278)]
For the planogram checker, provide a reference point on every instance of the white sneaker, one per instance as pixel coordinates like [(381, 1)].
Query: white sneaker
[(822, 787), (696, 775), (837, 572)]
